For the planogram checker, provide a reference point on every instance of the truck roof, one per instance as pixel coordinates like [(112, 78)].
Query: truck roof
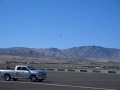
[(21, 65)]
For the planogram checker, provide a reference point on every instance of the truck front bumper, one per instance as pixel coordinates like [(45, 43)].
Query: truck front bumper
[(42, 77)]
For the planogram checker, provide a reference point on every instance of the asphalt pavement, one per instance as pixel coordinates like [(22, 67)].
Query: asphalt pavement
[(66, 81)]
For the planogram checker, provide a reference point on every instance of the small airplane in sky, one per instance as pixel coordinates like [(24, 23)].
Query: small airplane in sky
[(60, 35)]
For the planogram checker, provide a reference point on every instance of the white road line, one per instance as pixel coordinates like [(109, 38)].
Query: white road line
[(60, 85)]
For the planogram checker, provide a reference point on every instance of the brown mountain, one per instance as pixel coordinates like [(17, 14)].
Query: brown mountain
[(86, 52)]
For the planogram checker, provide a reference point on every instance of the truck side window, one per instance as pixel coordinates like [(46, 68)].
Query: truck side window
[(24, 68), (18, 68)]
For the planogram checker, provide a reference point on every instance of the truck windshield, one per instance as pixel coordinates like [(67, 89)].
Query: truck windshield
[(31, 68)]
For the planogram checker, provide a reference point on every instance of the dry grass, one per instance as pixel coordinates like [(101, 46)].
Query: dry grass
[(47, 62)]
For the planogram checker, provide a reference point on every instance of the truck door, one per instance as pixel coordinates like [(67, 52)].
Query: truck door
[(18, 72), (25, 73)]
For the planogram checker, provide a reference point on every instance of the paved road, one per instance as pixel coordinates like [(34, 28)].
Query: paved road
[(66, 81)]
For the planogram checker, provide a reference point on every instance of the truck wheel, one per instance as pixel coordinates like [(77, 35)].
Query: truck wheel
[(33, 78), (14, 79), (7, 77)]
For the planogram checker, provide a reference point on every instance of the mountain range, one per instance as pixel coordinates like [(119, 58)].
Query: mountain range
[(85, 52)]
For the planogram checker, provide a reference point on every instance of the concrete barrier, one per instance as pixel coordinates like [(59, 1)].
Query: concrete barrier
[(79, 70), (86, 71), (50, 69), (71, 70), (96, 71), (60, 69), (83, 70), (104, 71), (90, 71), (117, 72), (111, 71)]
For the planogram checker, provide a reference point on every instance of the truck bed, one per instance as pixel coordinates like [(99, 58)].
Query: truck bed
[(11, 72)]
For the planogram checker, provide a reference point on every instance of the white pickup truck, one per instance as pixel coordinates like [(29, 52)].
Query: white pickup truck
[(23, 71)]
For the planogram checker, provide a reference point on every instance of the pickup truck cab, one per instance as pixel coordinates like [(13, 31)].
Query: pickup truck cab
[(23, 72)]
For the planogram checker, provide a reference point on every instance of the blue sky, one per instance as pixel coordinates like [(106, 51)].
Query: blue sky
[(39, 23)]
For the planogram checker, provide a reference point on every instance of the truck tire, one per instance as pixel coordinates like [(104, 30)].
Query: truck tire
[(7, 77), (33, 78)]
